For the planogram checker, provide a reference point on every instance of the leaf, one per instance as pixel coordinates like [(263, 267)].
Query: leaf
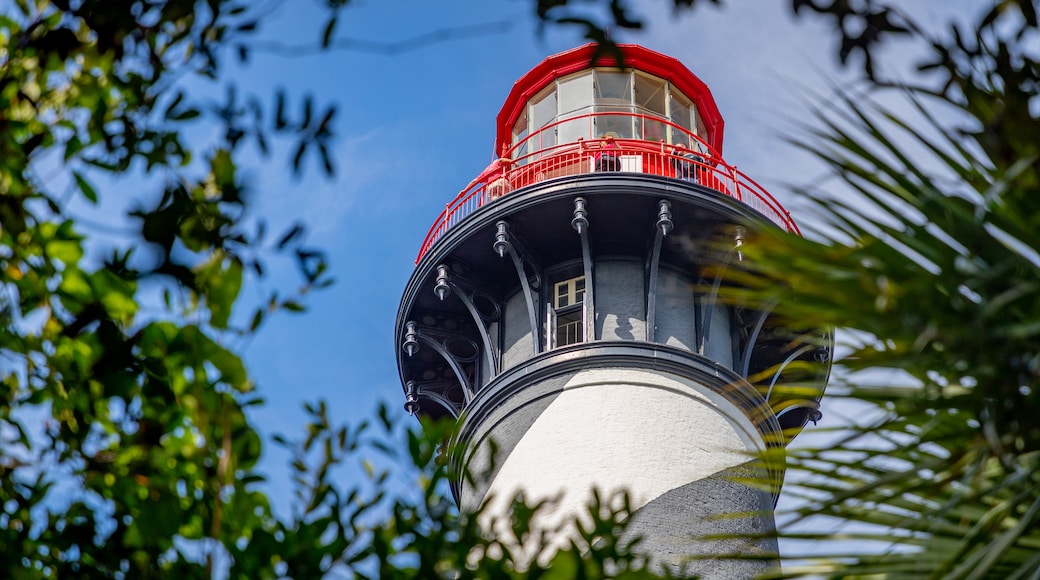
[(294, 232), (84, 186), (308, 111), (171, 108), (293, 306), (73, 146), (232, 369), (326, 161), (326, 122), (186, 115), (330, 28), (68, 252), (223, 168), (116, 295), (279, 110), (258, 318), (297, 159), (220, 281), (383, 413)]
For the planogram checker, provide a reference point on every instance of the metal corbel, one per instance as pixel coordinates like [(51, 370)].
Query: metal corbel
[(790, 359), (709, 304), (752, 339), (814, 414), (661, 228), (465, 291), (413, 336), (580, 223), (414, 393), (507, 243)]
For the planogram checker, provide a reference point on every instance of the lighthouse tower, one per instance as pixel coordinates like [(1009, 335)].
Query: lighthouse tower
[(565, 310)]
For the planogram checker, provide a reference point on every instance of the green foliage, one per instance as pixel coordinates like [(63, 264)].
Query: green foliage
[(402, 522), (126, 450), (932, 265)]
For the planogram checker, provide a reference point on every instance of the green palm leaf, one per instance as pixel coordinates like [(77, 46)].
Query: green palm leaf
[(929, 266)]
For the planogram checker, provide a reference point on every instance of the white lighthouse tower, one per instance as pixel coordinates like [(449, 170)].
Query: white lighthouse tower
[(565, 307)]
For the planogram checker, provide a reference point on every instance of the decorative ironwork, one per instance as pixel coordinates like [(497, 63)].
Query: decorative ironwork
[(442, 335), (506, 243), (783, 366), (442, 287), (436, 391), (752, 338), (580, 223), (502, 245), (580, 220), (454, 361), (664, 217), (411, 398), (466, 291), (661, 229), (411, 339)]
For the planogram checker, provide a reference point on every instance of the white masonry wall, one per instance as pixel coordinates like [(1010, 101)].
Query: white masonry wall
[(672, 444)]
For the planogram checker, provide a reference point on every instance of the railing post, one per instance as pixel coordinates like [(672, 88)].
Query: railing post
[(736, 183)]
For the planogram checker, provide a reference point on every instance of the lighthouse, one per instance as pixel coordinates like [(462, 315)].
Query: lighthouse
[(567, 311)]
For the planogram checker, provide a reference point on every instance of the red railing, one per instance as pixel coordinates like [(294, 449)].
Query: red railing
[(520, 168)]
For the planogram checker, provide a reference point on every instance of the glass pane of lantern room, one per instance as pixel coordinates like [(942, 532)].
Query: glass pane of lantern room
[(576, 94), (614, 104), (614, 122), (575, 100), (520, 143), (543, 113), (613, 88), (651, 98), (699, 125), (680, 111)]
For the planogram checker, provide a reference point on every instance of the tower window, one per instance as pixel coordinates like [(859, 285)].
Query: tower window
[(567, 314)]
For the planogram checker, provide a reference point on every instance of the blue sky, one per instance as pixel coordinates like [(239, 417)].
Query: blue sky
[(414, 128)]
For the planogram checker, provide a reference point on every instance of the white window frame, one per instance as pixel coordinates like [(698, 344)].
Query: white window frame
[(573, 304)]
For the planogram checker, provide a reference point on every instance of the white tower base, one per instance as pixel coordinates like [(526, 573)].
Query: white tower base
[(684, 453)]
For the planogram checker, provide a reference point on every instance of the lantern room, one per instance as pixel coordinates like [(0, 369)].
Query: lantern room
[(564, 100)]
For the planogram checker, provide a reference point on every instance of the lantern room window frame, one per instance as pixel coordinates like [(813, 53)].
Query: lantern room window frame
[(619, 98)]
